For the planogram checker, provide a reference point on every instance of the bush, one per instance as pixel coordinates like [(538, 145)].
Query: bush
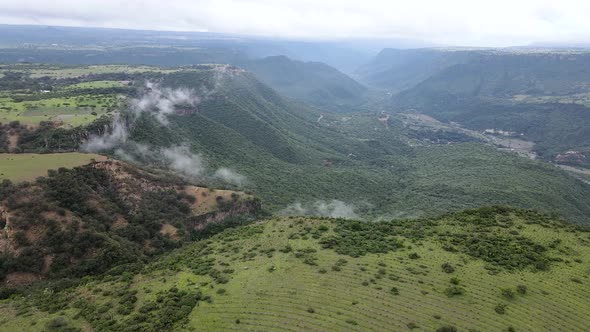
[(508, 293), (521, 289), (448, 268), (352, 322), (454, 290), (447, 329), (500, 309), (59, 324), (414, 255)]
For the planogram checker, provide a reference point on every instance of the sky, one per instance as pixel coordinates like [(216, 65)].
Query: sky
[(444, 22)]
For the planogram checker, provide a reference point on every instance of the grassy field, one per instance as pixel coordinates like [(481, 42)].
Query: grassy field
[(306, 274), (28, 166), (95, 85), (58, 72), (71, 111)]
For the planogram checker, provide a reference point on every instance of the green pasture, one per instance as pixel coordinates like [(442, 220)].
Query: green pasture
[(28, 166)]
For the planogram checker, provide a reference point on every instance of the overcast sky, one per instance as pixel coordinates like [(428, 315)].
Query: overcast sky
[(450, 22)]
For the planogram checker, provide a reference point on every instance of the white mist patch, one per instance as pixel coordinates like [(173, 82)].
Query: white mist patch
[(161, 102), (181, 160), (334, 208), (117, 135), (229, 176)]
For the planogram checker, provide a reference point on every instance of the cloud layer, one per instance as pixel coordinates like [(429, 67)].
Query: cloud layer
[(460, 22)]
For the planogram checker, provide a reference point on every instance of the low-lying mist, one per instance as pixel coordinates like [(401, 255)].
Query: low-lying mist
[(161, 102), (334, 208)]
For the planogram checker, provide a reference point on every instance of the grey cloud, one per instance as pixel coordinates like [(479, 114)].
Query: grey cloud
[(461, 22)]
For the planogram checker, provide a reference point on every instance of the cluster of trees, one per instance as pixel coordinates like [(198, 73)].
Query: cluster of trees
[(355, 238), (171, 307), (74, 214)]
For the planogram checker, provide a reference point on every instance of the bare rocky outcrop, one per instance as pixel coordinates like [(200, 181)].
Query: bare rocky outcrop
[(251, 207)]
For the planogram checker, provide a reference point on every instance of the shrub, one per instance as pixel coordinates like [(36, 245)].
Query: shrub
[(447, 328), (394, 291), (454, 290), (352, 322), (500, 309), (508, 293), (56, 324), (521, 289), (414, 256), (311, 310), (448, 268)]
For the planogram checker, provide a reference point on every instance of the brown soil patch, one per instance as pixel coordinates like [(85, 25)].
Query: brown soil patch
[(120, 222), (12, 142), (47, 260), (35, 233), (206, 199), (169, 230), (21, 278)]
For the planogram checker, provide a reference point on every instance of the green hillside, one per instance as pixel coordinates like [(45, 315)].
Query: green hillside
[(289, 154), (484, 72), (312, 82), (490, 269), (397, 69), (538, 95)]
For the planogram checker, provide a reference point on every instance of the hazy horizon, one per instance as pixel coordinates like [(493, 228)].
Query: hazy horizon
[(452, 23)]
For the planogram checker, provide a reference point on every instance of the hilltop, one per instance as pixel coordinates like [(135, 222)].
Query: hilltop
[(486, 269)]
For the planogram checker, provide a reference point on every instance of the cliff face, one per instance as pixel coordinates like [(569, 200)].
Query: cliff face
[(244, 208)]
